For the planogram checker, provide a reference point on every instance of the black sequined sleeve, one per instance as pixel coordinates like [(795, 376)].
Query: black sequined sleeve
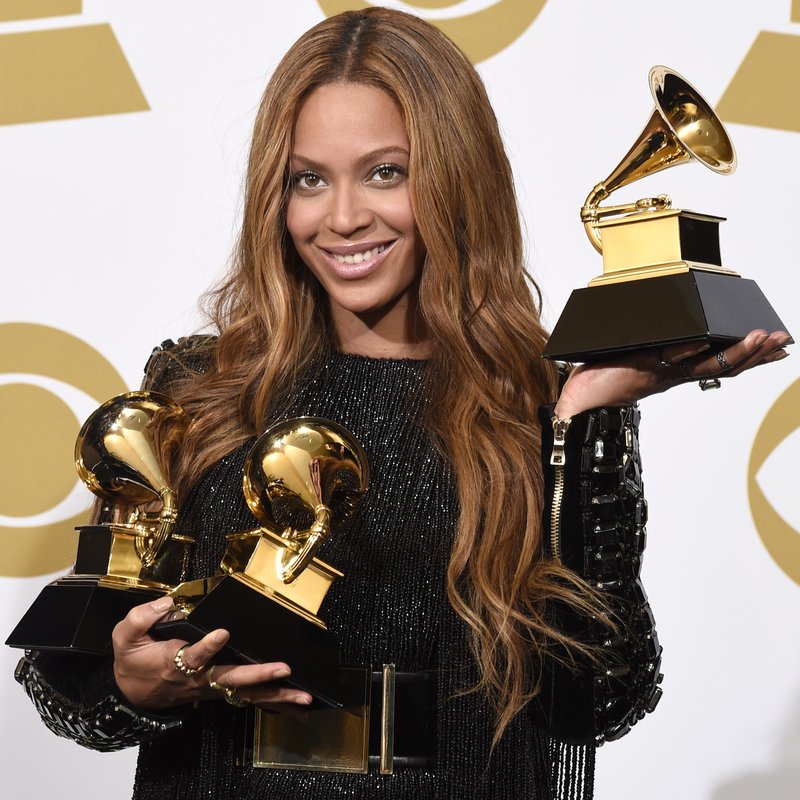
[(78, 698), (172, 362), (594, 522)]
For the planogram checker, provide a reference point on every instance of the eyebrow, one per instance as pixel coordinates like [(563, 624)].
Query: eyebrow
[(367, 158)]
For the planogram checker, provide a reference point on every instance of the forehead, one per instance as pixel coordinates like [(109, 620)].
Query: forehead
[(347, 119)]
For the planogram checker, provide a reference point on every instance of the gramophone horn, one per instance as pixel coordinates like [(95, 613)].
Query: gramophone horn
[(302, 477), (117, 457), (682, 127)]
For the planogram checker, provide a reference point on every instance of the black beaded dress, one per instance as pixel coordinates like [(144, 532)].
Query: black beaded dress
[(391, 606)]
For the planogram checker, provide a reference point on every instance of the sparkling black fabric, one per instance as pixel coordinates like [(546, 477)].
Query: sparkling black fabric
[(391, 606)]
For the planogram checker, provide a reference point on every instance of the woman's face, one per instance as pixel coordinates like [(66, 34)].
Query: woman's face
[(349, 211)]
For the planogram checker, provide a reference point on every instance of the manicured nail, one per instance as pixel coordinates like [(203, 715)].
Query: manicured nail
[(303, 699), (283, 672), (220, 636), (760, 339), (161, 605), (785, 340)]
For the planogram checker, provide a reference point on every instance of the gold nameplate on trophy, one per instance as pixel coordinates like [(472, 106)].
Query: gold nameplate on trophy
[(654, 243), (135, 556), (257, 559), (302, 479), (663, 281)]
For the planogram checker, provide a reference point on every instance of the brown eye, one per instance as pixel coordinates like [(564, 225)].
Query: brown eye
[(388, 173), (307, 180)]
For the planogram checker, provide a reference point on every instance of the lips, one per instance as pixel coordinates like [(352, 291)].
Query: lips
[(354, 261)]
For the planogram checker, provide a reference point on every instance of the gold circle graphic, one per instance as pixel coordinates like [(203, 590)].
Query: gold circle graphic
[(480, 35), (433, 3), (781, 539), (34, 479), (44, 425)]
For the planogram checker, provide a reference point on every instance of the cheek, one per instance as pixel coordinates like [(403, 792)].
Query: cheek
[(299, 222), (292, 218)]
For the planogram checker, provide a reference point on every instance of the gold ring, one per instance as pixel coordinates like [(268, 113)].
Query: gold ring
[(183, 667), (231, 695)]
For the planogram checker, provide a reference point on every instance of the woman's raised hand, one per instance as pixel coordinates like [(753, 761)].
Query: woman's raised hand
[(627, 379), (148, 671)]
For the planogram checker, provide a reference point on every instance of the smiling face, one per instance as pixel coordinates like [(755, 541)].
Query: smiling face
[(349, 215)]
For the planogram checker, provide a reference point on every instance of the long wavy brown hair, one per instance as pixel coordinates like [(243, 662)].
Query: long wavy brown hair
[(487, 378)]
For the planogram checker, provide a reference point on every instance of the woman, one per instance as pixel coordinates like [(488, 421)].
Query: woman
[(378, 281)]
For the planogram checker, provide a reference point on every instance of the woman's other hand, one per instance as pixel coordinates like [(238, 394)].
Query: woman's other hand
[(147, 672), (625, 380)]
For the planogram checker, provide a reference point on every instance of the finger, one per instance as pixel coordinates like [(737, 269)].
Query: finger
[(769, 358), (247, 675), (738, 357), (140, 619), (680, 352), (778, 355), (275, 693), (199, 654), (764, 349)]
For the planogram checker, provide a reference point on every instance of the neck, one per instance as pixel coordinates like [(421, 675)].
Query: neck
[(398, 334)]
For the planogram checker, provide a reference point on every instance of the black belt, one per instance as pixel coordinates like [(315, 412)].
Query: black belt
[(414, 719), (388, 722)]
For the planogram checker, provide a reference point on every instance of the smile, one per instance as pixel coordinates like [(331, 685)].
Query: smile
[(349, 262), (357, 258)]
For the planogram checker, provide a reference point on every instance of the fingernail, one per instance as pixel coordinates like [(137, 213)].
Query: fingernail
[(220, 636), (303, 699), (784, 340), (760, 339), (283, 673), (162, 604)]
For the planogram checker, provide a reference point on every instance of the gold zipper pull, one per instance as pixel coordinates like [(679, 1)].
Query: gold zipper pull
[(560, 428)]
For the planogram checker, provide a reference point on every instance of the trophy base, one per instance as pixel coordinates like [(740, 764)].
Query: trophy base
[(263, 630), (77, 613), (602, 321)]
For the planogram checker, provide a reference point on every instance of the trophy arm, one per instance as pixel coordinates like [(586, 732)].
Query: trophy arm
[(293, 563), (148, 543), (592, 213)]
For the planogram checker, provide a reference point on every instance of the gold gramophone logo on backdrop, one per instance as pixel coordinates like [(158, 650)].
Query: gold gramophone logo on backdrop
[(780, 538), (62, 73), (764, 90), (480, 34), (37, 431)]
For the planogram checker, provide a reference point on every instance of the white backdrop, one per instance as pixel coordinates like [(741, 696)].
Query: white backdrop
[(111, 226)]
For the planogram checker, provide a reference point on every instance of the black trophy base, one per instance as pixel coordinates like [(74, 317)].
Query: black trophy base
[(599, 321), (263, 630), (76, 614)]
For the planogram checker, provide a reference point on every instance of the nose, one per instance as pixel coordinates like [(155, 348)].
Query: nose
[(349, 211)]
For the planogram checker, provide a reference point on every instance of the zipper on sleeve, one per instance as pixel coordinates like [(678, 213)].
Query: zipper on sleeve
[(558, 459)]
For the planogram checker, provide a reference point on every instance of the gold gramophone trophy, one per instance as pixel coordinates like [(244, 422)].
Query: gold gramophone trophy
[(663, 281), (302, 479), (120, 563)]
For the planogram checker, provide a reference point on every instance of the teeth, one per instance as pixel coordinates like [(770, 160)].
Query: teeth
[(358, 258)]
